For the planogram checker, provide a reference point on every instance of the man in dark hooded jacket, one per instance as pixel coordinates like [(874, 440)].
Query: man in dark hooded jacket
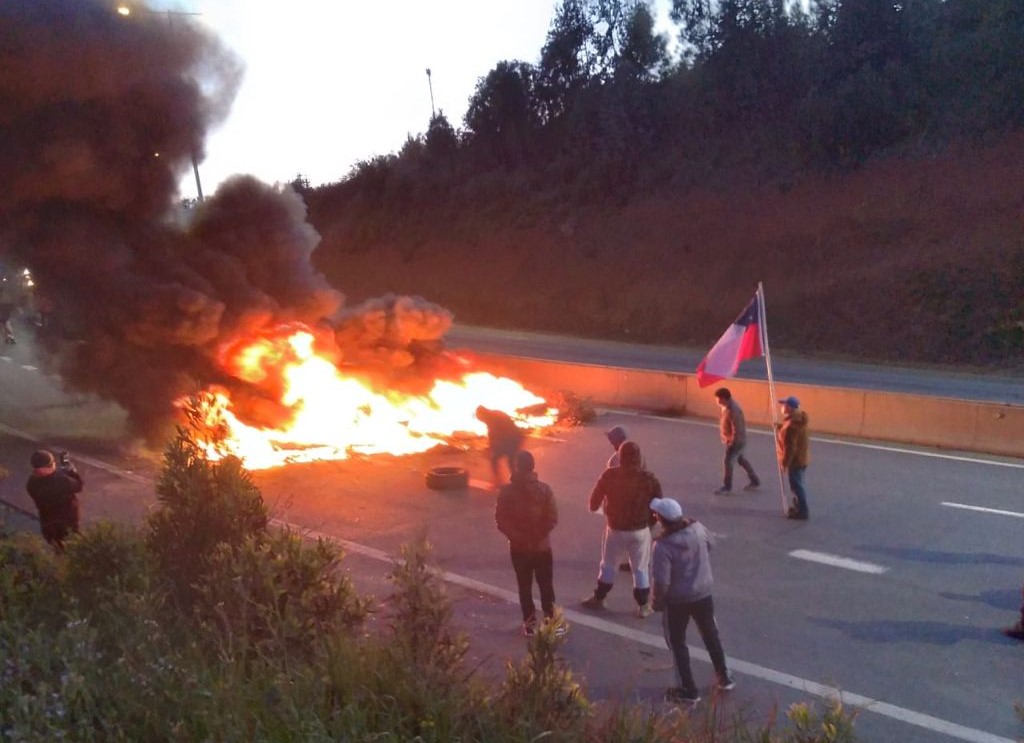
[(617, 436), (624, 493), (53, 489), (526, 513)]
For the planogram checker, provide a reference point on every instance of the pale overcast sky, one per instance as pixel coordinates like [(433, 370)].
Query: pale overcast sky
[(331, 82)]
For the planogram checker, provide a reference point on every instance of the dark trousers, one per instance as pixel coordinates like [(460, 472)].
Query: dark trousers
[(507, 450), (734, 453), (796, 484), (675, 620), (539, 565)]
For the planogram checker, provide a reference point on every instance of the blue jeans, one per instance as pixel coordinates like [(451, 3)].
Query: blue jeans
[(796, 484)]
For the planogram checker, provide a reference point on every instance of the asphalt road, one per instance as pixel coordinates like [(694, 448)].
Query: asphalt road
[(916, 641), (985, 386)]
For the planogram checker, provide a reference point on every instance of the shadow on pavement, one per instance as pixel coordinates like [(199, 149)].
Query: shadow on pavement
[(1009, 600), (948, 558), (931, 633)]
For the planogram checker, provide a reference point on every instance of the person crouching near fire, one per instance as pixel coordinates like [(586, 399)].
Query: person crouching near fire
[(526, 513), (504, 439), (53, 489)]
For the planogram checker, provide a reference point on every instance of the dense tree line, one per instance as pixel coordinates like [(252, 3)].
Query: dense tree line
[(774, 85)]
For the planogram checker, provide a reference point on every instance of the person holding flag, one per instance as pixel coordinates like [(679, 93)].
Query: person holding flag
[(791, 446), (747, 338)]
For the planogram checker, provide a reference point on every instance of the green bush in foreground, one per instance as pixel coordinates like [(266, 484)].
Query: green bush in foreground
[(273, 644)]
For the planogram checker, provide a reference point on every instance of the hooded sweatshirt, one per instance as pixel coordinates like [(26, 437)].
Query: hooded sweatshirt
[(681, 566), (526, 513), (791, 440), (616, 437), (625, 492)]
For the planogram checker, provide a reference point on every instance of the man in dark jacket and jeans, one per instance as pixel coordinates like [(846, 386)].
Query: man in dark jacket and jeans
[(53, 489), (526, 513), (682, 589)]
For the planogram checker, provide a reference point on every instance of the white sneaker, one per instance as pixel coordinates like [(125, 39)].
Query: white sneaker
[(643, 611)]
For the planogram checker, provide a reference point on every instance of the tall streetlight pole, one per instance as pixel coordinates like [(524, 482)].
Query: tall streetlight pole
[(430, 84), (126, 10)]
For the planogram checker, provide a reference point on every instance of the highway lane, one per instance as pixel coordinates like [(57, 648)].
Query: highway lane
[(921, 636), (1004, 386)]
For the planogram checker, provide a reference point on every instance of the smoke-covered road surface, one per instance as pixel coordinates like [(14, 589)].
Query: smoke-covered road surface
[(918, 635), (992, 387)]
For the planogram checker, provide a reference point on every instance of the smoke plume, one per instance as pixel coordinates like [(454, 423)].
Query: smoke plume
[(100, 117)]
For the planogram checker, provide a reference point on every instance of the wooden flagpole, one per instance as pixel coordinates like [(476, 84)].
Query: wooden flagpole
[(773, 402)]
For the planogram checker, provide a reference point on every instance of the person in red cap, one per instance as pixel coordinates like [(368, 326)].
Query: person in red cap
[(54, 490)]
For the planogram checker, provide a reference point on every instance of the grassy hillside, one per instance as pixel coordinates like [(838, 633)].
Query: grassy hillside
[(905, 259)]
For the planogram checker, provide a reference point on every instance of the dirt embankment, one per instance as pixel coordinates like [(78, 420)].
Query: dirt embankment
[(903, 260)]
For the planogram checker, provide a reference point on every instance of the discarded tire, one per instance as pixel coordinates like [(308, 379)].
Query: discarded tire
[(447, 478)]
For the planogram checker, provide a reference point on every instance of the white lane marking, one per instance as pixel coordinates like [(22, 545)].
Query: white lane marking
[(29, 367), (8, 359), (827, 440), (92, 462), (984, 510), (918, 719), (805, 686), (839, 562)]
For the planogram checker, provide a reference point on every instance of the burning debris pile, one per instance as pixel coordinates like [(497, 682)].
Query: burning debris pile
[(100, 116)]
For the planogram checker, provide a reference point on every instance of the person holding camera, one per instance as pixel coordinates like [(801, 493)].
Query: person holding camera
[(53, 487)]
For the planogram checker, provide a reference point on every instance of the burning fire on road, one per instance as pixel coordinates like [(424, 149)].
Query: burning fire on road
[(328, 414), (151, 302)]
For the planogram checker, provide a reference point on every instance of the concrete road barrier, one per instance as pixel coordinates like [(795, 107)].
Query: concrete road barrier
[(992, 428)]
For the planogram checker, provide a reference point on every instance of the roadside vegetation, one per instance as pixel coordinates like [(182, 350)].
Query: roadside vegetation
[(209, 625), (861, 157)]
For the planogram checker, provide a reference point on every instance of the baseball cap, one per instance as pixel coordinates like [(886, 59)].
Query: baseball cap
[(668, 508)]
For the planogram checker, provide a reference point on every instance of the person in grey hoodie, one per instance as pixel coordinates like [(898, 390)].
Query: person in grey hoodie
[(733, 429), (682, 589)]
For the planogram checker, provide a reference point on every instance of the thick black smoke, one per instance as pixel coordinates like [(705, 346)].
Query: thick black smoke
[(100, 116)]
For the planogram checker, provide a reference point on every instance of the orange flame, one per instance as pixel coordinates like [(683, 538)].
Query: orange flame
[(332, 415)]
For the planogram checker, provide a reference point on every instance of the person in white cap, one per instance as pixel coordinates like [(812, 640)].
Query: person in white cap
[(682, 581)]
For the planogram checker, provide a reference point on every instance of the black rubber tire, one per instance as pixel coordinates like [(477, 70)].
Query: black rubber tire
[(447, 478)]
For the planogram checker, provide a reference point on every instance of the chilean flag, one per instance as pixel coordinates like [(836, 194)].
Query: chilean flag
[(741, 341)]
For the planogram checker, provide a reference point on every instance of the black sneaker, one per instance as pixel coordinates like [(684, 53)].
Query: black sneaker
[(681, 696), (727, 682), (529, 628), (796, 514)]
